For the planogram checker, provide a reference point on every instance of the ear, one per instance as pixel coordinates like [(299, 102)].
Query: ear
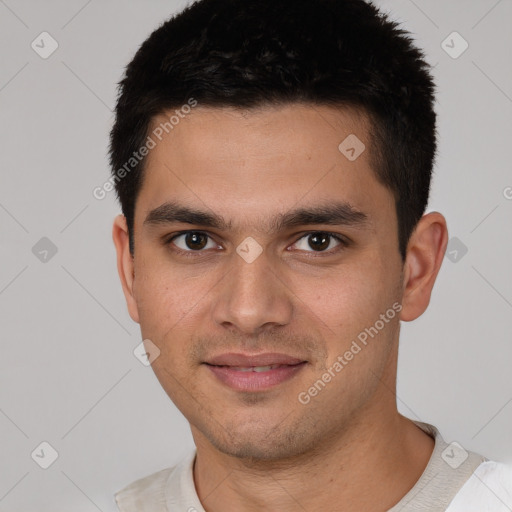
[(125, 266), (425, 253)]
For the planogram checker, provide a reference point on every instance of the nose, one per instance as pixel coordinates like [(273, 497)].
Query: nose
[(252, 297)]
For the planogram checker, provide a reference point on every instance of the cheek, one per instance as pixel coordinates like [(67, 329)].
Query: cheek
[(166, 308), (345, 296), (347, 305), (161, 301)]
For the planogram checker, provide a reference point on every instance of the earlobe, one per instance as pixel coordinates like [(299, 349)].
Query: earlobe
[(425, 253), (125, 264)]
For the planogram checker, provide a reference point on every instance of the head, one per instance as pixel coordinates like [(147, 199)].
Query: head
[(259, 128)]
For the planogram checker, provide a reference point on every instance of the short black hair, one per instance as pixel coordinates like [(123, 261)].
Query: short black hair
[(254, 53)]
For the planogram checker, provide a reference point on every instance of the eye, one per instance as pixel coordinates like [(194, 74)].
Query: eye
[(192, 241), (320, 241)]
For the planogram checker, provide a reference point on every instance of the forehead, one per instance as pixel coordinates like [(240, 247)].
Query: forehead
[(248, 162), (260, 131)]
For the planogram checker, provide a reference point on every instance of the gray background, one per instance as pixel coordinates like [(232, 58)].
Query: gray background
[(68, 375)]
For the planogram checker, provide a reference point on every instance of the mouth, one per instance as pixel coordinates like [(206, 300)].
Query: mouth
[(254, 368), (248, 373)]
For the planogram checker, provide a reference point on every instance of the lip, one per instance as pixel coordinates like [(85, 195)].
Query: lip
[(232, 370), (264, 359)]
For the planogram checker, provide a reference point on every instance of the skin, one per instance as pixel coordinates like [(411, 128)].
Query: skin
[(265, 450)]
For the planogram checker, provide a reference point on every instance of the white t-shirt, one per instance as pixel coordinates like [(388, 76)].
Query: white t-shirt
[(453, 481)]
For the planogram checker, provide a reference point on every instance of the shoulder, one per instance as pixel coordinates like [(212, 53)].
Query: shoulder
[(489, 489), (168, 489), (145, 494)]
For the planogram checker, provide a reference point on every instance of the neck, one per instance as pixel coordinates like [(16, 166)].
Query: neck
[(369, 466)]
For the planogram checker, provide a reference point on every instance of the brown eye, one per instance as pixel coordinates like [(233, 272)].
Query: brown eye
[(192, 241), (319, 241), (195, 241)]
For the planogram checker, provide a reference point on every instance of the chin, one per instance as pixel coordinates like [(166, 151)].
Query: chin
[(254, 443), (256, 451)]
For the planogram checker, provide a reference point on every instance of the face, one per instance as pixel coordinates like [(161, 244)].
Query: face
[(278, 259)]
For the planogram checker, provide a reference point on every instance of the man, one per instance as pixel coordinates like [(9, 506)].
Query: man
[(273, 164)]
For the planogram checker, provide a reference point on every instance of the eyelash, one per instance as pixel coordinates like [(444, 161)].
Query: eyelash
[(344, 243)]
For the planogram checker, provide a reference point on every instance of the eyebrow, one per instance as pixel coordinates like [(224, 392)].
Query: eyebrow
[(333, 214)]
